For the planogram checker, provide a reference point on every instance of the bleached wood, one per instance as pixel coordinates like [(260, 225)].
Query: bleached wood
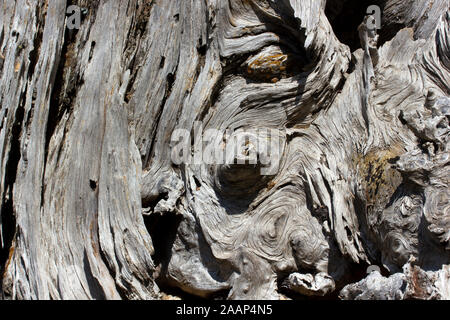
[(87, 118)]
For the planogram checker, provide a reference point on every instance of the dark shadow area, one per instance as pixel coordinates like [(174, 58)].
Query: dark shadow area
[(345, 16), (162, 229), (7, 206), (431, 252)]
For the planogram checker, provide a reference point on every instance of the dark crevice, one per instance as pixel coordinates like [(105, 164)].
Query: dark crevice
[(202, 49), (93, 184), (15, 34), (197, 183), (162, 229), (91, 50), (2, 37), (349, 234), (402, 119), (345, 16), (162, 62), (170, 81), (37, 42), (7, 209), (351, 66), (2, 57), (431, 252)]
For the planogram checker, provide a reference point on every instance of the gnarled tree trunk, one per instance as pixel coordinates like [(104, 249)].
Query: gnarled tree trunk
[(96, 205)]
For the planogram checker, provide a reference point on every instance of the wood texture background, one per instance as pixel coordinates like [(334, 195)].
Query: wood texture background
[(94, 208)]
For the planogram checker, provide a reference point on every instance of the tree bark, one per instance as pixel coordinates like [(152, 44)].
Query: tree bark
[(94, 206)]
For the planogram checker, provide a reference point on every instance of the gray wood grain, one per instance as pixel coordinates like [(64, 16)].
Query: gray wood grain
[(94, 207)]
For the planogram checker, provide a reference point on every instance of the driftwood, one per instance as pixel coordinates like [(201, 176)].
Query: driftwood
[(100, 201)]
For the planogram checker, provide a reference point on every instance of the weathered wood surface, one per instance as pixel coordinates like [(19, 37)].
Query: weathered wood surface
[(94, 207)]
